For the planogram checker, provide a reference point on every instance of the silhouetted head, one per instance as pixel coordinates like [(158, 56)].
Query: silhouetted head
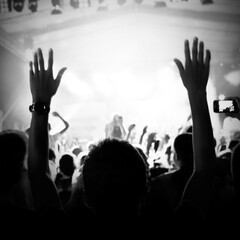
[(67, 165), (143, 155), (90, 145), (114, 177), (166, 137), (77, 150), (13, 151), (183, 147), (120, 119)]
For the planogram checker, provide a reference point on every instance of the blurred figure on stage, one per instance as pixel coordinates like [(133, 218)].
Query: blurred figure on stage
[(115, 128)]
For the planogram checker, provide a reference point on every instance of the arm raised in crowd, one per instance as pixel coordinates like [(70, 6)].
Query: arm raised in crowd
[(195, 76), (130, 128), (43, 87), (144, 131), (66, 124)]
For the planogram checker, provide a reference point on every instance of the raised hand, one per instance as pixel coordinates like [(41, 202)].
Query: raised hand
[(55, 114), (151, 137), (143, 133), (131, 127), (196, 71), (42, 83), (144, 130)]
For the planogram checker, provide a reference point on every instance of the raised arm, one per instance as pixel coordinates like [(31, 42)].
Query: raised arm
[(43, 87), (142, 135), (120, 124), (66, 124), (130, 128), (151, 139), (195, 76)]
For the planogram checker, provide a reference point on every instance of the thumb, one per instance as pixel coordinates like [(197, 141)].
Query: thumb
[(179, 66), (60, 74)]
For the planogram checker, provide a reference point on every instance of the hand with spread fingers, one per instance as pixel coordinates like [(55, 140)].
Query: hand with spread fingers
[(196, 71), (42, 83)]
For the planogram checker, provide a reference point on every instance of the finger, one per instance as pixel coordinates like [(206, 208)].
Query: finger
[(50, 59), (187, 52), (201, 52), (208, 57), (36, 63), (31, 71), (207, 62), (179, 66), (31, 74), (41, 60), (60, 74), (195, 50), (31, 67)]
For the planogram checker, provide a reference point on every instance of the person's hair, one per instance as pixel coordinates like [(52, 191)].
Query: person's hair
[(183, 146), (13, 150), (114, 174), (143, 155), (67, 165)]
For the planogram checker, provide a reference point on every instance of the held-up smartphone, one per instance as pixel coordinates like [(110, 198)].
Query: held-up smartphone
[(225, 106)]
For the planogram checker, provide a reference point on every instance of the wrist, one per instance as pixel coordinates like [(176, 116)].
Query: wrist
[(42, 100), (40, 108), (197, 96)]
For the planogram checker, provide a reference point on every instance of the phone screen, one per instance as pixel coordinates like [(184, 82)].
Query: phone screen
[(225, 106)]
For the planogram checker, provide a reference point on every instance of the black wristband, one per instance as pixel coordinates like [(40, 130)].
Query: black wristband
[(40, 108)]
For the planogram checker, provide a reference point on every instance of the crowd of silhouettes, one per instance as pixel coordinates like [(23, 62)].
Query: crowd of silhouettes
[(111, 188)]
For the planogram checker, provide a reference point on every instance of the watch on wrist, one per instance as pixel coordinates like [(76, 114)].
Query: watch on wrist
[(40, 108)]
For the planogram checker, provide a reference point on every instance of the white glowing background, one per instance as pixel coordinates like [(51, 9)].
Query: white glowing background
[(122, 61), (121, 65)]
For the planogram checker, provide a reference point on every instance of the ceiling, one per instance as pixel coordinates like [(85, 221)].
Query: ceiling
[(217, 23), (115, 57)]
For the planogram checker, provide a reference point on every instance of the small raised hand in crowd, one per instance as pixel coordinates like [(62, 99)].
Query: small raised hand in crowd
[(144, 131), (130, 130), (66, 124)]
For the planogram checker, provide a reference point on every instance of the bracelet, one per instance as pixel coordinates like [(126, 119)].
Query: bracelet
[(40, 108)]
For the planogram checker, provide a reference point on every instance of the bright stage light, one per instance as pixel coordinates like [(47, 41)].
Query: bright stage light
[(75, 86), (233, 77), (102, 84), (121, 65), (221, 97)]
